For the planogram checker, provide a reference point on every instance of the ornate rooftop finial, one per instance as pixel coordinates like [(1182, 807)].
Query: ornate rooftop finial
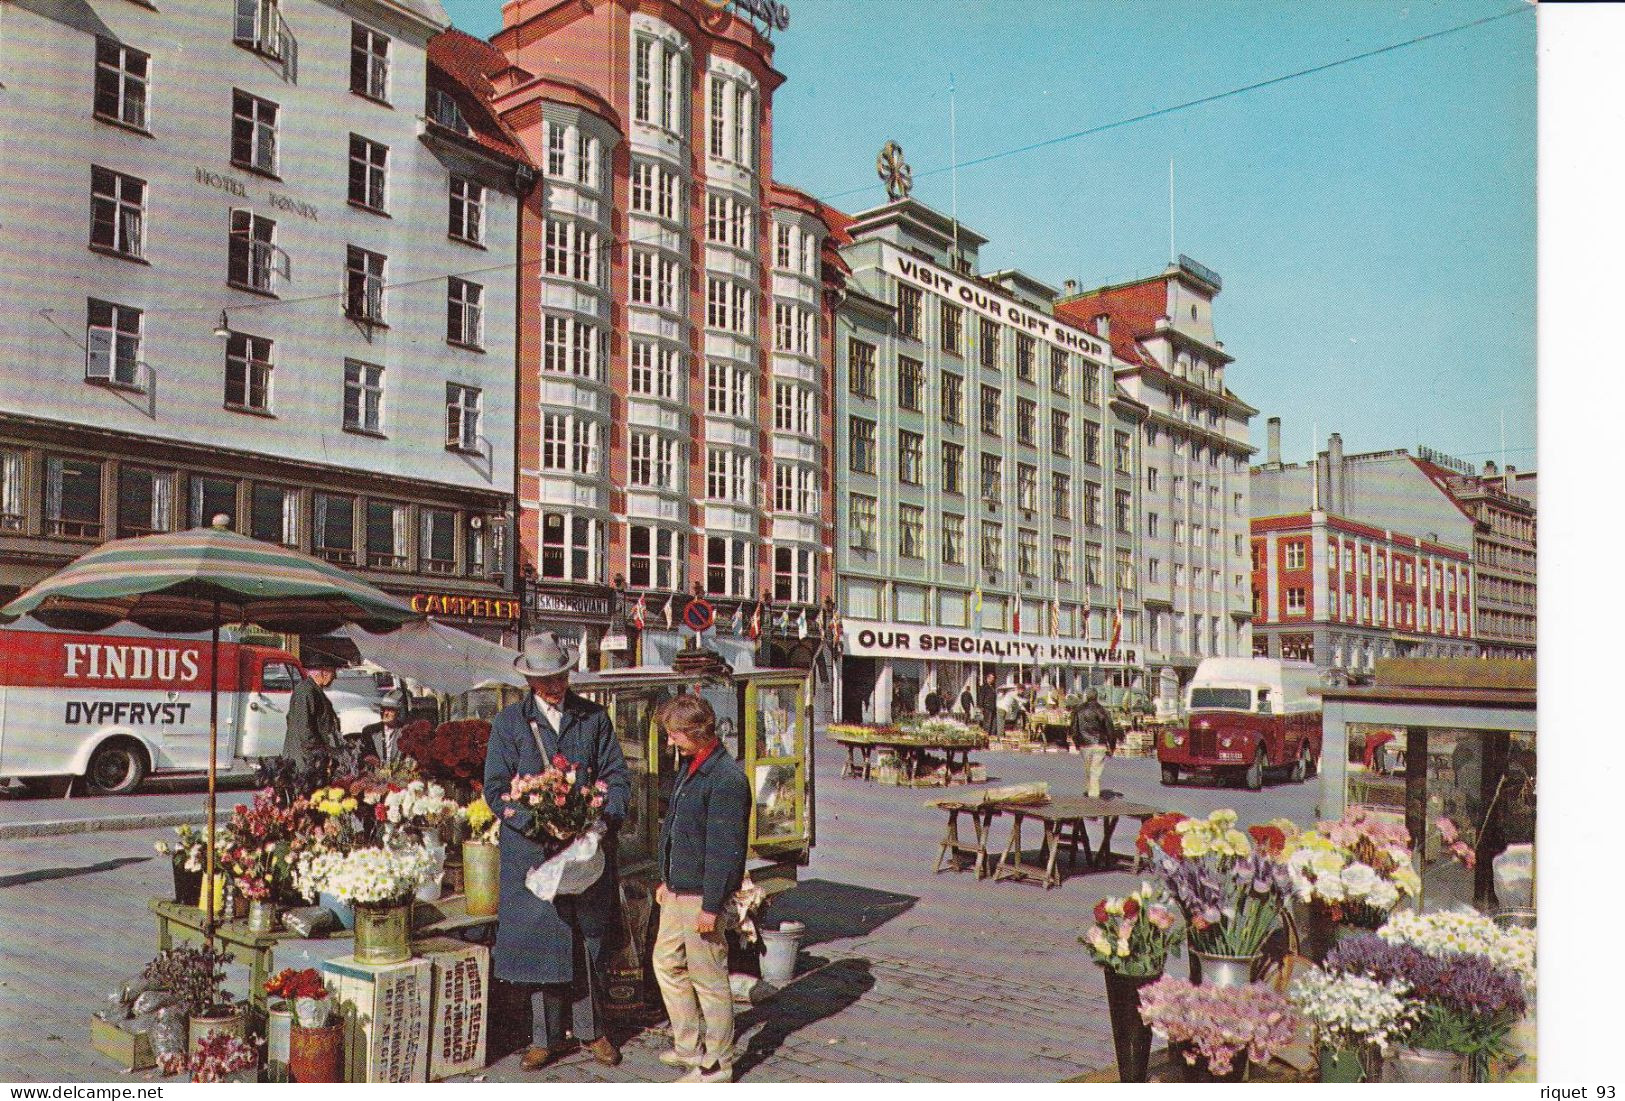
[(894, 171)]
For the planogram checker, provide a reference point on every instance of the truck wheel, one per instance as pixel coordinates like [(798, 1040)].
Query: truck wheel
[(1170, 775), (1255, 773), (116, 768), (1300, 767)]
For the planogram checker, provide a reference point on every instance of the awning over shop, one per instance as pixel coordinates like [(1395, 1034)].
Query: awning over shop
[(438, 656)]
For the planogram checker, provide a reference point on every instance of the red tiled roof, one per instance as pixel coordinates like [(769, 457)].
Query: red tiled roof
[(462, 65), (1133, 308)]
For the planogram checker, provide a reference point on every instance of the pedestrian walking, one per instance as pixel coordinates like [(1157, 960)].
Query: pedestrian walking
[(967, 699), (987, 698), (313, 741), (554, 947), (702, 862), (1094, 734)]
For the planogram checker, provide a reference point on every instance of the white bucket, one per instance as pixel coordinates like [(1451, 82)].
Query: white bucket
[(779, 949)]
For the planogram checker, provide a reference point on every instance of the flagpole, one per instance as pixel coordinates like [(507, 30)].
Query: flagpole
[(953, 164)]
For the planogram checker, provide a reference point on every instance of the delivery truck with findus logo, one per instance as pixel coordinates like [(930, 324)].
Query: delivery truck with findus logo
[(123, 704)]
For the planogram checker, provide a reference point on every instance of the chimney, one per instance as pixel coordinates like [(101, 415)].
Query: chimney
[(1334, 475), (1512, 478), (1319, 501), (1070, 286), (1489, 468), (1273, 454)]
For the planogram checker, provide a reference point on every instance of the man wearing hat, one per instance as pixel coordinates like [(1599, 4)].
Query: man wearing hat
[(313, 726), (382, 739), (554, 947)]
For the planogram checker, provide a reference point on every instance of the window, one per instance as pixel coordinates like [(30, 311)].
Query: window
[(660, 85), (248, 372), (655, 191), (211, 497), (441, 107), (1091, 442), (252, 258), (1121, 452), (112, 343), (992, 478), (386, 535), (730, 306), (363, 396), (1151, 525), (145, 501), (1059, 373), (728, 566), (11, 490), (861, 513), (908, 311), (571, 346), (863, 445), (586, 159), (1091, 504), (728, 391), (729, 221), (953, 468), (122, 73), (73, 497), (462, 417), (992, 410), (952, 318), (274, 515), (253, 132), (465, 320), (1179, 532), (118, 206), (1091, 394), (1027, 552), (953, 398), (1026, 487), (1179, 487), (437, 540), (1151, 478), (860, 368), (989, 343), (781, 249), (653, 460), (910, 457), (992, 545), (1124, 509), (1125, 569), (1026, 348), (794, 580), (658, 557), (793, 409), (570, 443), (654, 279), (910, 383), (795, 489), (953, 539), (368, 161), (369, 62), (910, 531), (364, 285), (792, 329), (572, 547), (1060, 432), (1153, 570), (467, 211), (1026, 421), (1092, 569), (1294, 601), (1060, 486), (729, 476), (1294, 556), (1061, 559)]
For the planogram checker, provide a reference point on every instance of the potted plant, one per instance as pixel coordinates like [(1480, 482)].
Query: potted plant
[(1230, 885), (482, 860), (451, 754), (304, 991), (1131, 940), (257, 844), (221, 1057), (415, 815), (1466, 1006), (379, 883), (196, 977), (186, 858), (1357, 1020), (1351, 874), (1216, 1030)]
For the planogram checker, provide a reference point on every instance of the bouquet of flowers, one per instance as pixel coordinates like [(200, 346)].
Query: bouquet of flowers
[(419, 804), (376, 876), (1219, 1022), (483, 825), (1133, 935), (291, 983), (1355, 870), (550, 806), (187, 851), (1353, 1010), (1465, 1003), (1231, 885), (196, 976), (1441, 932), (451, 754), (257, 841), (222, 1057), (1461, 842)]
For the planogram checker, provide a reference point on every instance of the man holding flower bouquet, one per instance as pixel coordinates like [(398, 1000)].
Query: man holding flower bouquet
[(554, 945)]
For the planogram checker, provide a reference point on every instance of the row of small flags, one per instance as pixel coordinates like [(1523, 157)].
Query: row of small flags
[(1054, 617), (831, 621)]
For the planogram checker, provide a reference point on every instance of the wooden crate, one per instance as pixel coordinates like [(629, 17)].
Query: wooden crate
[(386, 1011), (459, 1005), (127, 1050)]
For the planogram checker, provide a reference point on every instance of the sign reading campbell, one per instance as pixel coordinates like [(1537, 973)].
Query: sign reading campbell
[(896, 640)]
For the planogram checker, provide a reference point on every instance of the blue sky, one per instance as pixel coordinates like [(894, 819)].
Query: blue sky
[(1374, 224)]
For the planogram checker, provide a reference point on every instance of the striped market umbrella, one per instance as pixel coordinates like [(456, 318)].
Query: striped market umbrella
[(198, 580)]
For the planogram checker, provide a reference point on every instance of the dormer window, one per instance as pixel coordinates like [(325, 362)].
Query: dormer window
[(442, 108)]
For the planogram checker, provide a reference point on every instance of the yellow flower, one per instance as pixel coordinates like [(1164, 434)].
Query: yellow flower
[(1223, 819), (1237, 843), (1195, 845), (1406, 879)]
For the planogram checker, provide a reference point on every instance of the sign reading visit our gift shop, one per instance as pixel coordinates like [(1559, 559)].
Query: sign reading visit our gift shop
[(899, 640)]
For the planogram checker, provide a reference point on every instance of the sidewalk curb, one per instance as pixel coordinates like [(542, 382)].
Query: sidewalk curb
[(12, 831)]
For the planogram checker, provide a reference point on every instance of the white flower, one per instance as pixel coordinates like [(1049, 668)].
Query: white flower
[(1358, 880), (1466, 930), (1349, 1009), (1383, 895), (364, 875)]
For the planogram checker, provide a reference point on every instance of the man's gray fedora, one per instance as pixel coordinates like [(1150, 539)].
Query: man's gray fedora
[(545, 655)]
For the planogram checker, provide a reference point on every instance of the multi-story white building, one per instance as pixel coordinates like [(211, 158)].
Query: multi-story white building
[(260, 264), (1195, 562)]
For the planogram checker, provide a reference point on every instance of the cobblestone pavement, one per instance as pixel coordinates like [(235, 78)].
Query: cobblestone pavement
[(904, 975)]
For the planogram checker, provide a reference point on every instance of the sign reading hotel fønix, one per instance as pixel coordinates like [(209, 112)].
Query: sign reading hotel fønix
[(891, 640)]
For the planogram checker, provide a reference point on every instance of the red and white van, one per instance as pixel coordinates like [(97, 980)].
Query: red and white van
[(116, 706), (1247, 716)]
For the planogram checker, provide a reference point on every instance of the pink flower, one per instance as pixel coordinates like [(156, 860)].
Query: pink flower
[(1447, 830), (597, 801), (1160, 916), (560, 762), (558, 800), (599, 785), (508, 812)]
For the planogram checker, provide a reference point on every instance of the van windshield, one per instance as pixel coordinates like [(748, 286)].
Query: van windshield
[(1224, 699)]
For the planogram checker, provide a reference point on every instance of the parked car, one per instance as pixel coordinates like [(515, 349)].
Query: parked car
[(1247, 716)]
